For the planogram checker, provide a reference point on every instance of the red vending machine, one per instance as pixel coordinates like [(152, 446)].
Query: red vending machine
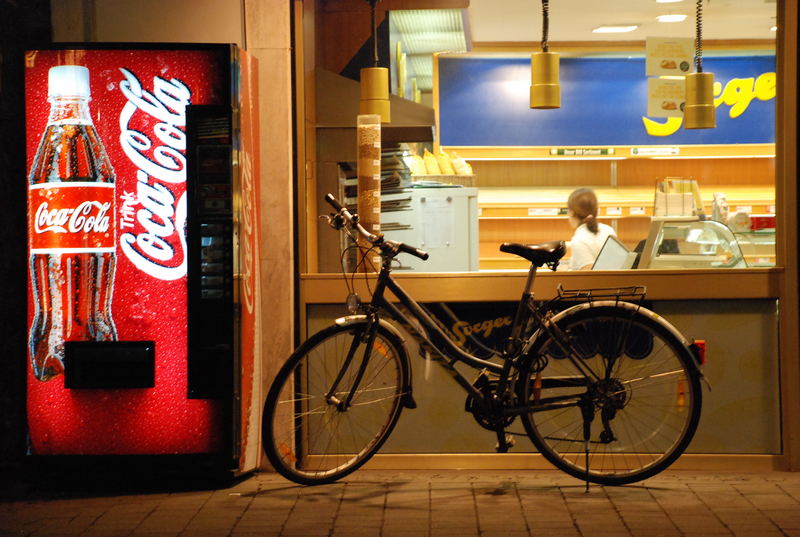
[(143, 252)]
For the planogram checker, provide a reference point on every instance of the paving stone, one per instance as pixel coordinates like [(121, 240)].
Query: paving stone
[(705, 533), (151, 532), (504, 533), (430, 504), (403, 532)]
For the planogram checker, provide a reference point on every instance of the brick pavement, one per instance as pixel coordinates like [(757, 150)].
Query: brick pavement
[(420, 504)]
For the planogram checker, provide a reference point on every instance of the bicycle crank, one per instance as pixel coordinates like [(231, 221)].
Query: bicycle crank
[(491, 418)]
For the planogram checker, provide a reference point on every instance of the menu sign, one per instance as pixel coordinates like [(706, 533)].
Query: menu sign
[(665, 97), (667, 56)]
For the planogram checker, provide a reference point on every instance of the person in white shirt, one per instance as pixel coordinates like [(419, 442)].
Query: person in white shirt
[(589, 235)]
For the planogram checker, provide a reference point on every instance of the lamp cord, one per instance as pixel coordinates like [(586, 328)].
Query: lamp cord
[(545, 24), (698, 44), (372, 4)]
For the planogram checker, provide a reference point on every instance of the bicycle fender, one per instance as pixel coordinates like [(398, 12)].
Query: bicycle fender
[(627, 306), (347, 320), (408, 399)]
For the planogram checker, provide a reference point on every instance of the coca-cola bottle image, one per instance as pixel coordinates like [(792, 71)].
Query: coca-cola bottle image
[(71, 227)]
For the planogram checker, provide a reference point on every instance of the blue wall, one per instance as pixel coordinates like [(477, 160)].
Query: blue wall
[(485, 101)]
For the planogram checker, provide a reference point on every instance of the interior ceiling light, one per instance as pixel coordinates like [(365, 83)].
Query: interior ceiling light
[(545, 89), (699, 111), (375, 80), (671, 18), (615, 29), (773, 29)]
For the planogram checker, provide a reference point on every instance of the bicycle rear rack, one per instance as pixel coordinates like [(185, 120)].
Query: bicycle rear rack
[(633, 293)]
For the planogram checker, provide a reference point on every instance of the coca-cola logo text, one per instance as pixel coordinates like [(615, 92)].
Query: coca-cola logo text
[(248, 210), (76, 220), (157, 246)]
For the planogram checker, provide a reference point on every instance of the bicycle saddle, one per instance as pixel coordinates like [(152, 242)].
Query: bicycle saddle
[(538, 254)]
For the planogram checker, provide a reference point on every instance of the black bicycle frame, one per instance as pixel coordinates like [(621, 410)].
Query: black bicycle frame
[(435, 336), (432, 333)]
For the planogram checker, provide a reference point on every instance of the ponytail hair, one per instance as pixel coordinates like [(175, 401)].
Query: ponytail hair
[(591, 224), (583, 204)]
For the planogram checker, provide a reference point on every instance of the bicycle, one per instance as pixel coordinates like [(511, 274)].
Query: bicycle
[(607, 391)]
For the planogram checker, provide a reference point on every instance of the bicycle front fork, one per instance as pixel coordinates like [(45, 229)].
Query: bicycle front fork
[(369, 337)]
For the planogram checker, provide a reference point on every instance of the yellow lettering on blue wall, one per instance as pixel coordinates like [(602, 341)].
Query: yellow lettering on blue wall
[(738, 94), (654, 128), (765, 86)]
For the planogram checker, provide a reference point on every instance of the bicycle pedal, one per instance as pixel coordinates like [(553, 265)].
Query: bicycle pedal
[(509, 443)]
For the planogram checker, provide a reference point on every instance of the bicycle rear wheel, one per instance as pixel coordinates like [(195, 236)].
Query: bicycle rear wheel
[(310, 434), (641, 397)]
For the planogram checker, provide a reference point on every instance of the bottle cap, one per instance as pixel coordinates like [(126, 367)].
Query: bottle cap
[(68, 80)]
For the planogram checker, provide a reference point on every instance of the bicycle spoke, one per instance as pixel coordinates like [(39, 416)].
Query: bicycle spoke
[(311, 439), (387, 398), (645, 407)]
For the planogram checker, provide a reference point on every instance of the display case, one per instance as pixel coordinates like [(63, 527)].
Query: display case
[(758, 247), (689, 242)]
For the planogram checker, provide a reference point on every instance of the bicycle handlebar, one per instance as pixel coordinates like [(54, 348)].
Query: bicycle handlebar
[(351, 220), (334, 203), (374, 239), (416, 252)]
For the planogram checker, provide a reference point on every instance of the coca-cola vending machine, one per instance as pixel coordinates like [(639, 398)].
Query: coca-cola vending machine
[(143, 251)]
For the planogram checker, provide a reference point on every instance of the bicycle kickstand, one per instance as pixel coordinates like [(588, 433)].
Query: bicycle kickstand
[(504, 441), (587, 410)]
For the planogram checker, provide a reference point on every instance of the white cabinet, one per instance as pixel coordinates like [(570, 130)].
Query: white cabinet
[(442, 221)]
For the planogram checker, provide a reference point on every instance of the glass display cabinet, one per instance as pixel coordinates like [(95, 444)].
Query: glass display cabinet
[(688, 242), (758, 247)]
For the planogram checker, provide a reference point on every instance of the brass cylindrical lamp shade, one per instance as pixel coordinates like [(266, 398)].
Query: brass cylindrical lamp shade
[(374, 83), (376, 106), (545, 89), (375, 92), (699, 111)]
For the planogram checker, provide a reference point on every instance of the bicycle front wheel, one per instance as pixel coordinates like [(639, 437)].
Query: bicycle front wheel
[(621, 405), (331, 406)]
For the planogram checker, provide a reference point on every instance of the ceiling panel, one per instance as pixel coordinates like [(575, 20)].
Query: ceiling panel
[(512, 22), (573, 20)]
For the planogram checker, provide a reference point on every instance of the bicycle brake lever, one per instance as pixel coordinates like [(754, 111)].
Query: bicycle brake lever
[(334, 220)]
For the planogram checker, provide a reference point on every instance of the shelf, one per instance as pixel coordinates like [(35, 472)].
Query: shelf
[(647, 214), (448, 180), (619, 152), (690, 284), (533, 203)]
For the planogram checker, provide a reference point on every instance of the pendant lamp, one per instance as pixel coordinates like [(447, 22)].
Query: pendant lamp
[(375, 80), (545, 89), (699, 111)]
